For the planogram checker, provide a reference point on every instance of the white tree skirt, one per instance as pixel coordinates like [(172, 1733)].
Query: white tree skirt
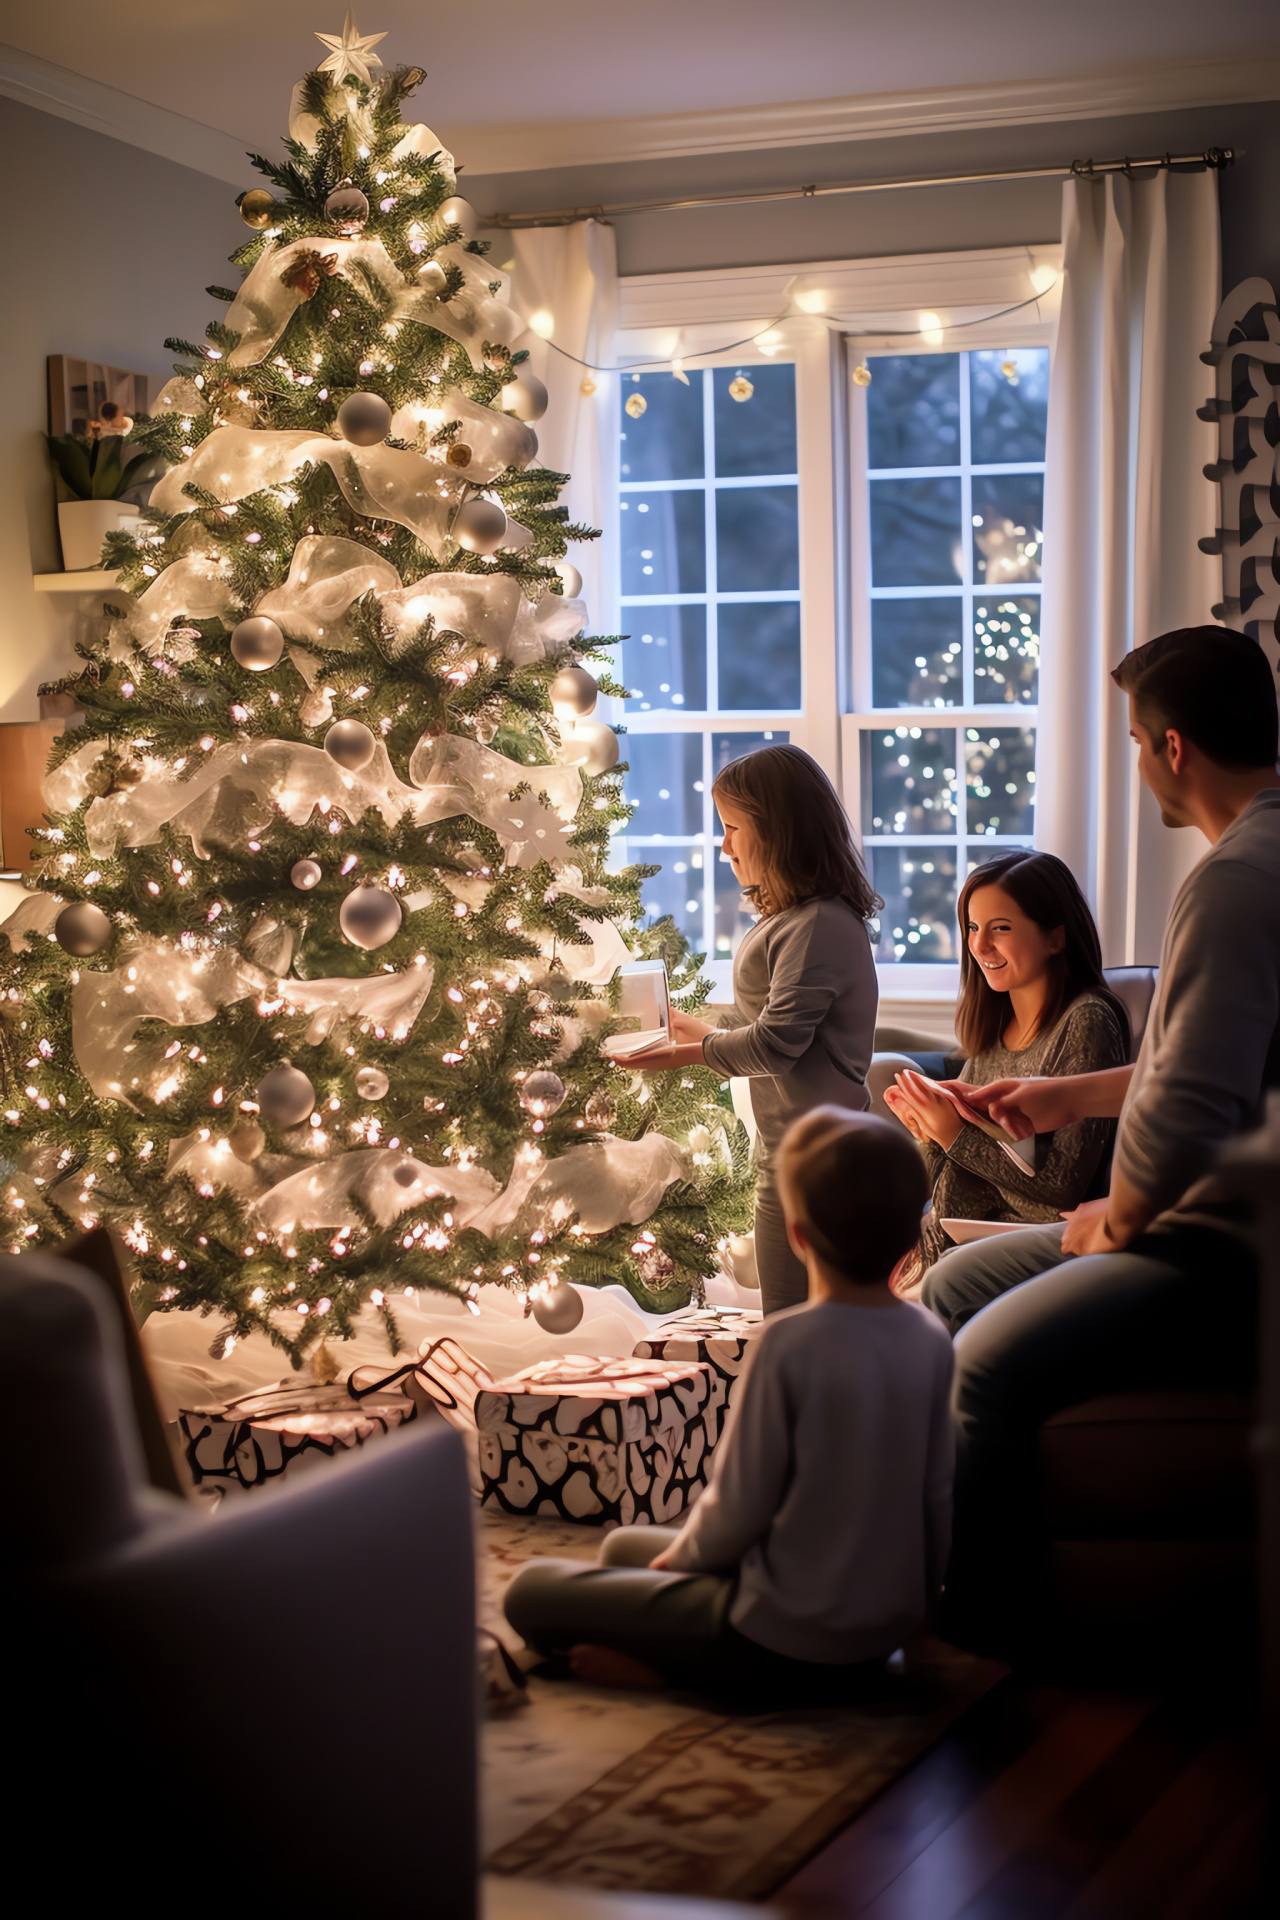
[(185, 1372)]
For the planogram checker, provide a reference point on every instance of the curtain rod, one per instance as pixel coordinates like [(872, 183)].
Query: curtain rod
[(1082, 169)]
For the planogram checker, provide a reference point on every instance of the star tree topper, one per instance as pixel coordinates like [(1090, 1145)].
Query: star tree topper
[(353, 53)]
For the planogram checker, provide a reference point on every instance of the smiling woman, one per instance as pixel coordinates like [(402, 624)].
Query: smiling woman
[(1033, 1000)]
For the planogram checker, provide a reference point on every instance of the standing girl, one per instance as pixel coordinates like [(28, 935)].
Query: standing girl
[(804, 980)]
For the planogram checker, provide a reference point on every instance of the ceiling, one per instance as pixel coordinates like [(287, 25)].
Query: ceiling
[(505, 66)]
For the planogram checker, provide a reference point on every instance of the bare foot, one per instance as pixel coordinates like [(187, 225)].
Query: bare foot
[(603, 1667)]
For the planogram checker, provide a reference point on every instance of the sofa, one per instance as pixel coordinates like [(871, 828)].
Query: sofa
[(275, 1699)]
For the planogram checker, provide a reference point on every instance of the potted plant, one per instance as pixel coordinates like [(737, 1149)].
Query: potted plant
[(104, 490)]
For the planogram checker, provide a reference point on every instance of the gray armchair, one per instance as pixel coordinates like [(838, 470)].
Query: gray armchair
[(278, 1698)]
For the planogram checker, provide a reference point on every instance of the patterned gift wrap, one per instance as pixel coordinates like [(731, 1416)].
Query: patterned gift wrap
[(258, 1437), (591, 1440), (717, 1336)]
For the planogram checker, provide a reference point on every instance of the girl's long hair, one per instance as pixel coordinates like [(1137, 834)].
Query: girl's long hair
[(807, 845), (1046, 890)]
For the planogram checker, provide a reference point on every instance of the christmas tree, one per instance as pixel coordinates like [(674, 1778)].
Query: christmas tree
[(308, 996)]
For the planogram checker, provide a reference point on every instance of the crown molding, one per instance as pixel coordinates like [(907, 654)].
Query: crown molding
[(518, 147), (122, 116), (525, 146)]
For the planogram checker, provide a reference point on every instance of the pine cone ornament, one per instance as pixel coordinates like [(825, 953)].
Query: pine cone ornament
[(308, 270), (655, 1267)]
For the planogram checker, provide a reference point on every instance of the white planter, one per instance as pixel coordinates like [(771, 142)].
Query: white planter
[(85, 524)]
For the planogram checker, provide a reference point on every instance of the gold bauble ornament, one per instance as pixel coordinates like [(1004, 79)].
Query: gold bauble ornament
[(459, 454), (636, 405), (257, 208), (740, 388), (862, 375)]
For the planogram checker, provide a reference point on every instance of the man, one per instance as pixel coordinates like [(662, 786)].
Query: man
[(1155, 1286)]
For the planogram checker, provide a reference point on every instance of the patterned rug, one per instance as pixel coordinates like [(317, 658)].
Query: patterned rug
[(666, 1793)]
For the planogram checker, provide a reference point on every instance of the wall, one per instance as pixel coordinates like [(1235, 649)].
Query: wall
[(109, 250), (923, 220)]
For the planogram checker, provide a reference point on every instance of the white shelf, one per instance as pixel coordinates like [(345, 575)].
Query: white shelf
[(89, 581)]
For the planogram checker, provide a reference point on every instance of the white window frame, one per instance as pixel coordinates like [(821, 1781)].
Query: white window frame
[(709, 315)]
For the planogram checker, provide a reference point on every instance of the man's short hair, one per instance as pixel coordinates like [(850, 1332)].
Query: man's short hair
[(856, 1186), (1214, 686)]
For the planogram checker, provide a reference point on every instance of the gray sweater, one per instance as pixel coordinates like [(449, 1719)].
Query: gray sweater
[(830, 1492), (803, 1022), (1212, 1045)]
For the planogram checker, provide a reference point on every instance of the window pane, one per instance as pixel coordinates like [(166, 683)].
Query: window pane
[(665, 443), (916, 652), (909, 780), (915, 533), (1008, 518), (913, 410), (664, 659), (1006, 650), (918, 886), (758, 651), (1000, 778), (664, 781), (757, 539), (677, 890), (1007, 417), (756, 435), (664, 543)]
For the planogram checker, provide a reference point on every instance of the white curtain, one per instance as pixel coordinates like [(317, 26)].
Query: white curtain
[(568, 278), (1125, 503)]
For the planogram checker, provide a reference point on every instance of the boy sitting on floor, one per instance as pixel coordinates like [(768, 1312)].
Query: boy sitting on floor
[(819, 1545)]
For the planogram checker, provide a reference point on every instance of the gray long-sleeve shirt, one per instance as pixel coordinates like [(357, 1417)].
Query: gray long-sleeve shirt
[(830, 1492), (1211, 1048), (803, 1023)]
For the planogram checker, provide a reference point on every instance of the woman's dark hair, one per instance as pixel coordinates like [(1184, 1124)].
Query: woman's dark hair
[(1045, 888), (807, 845), (1211, 684)]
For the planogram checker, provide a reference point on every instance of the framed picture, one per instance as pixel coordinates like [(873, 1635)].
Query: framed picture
[(78, 390)]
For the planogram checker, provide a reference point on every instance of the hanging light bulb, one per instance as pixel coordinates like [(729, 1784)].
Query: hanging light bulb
[(862, 374)]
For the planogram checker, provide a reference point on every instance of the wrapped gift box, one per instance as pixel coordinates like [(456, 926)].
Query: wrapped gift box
[(716, 1336), (256, 1438), (592, 1440)]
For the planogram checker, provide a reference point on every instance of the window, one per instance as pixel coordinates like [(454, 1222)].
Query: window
[(950, 630), (709, 546)]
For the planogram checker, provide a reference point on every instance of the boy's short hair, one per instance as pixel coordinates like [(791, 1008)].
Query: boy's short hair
[(857, 1187), (1212, 685)]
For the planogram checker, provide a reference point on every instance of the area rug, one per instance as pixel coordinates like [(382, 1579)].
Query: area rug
[(667, 1793)]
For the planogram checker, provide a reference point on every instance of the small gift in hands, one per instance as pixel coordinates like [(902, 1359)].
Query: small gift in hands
[(1021, 1152), (646, 997)]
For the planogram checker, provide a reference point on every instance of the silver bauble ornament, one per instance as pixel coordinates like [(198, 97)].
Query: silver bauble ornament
[(480, 525), (574, 691), (406, 1174), (364, 419), (559, 1309), (286, 1096), (601, 1110), (372, 1083), (590, 746), (370, 916), (257, 643), (543, 1093), (351, 744), (347, 208), (571, 577), (246, 1141), (82, 929), (459, 213), (524, 395), (306, 874)]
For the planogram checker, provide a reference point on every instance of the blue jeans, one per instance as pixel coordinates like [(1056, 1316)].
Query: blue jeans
[(1037, 1332)]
